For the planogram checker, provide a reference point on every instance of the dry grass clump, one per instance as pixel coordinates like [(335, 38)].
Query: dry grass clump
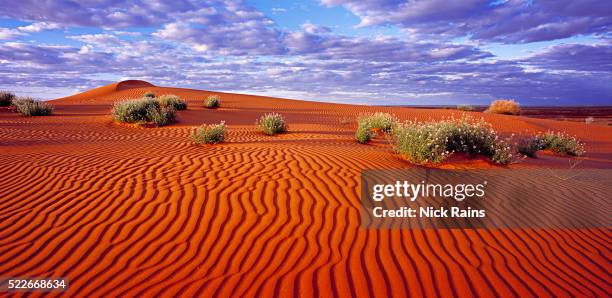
[(149, 94), (28, 106), (6, 98), (562, 143), (529, 146), (369, 125), (209, 134), (271, 124), (556, 142), (143, 111), (465, 108), (213, 101), (172, 100), (504, 106), (435, 141)]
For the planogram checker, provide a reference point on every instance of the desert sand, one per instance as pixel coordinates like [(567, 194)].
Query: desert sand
[(128, 211)]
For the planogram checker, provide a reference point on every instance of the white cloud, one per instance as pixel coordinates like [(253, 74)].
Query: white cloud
[(39, 26)]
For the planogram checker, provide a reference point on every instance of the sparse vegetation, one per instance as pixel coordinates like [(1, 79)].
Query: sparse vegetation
[(529, 146), (172, 100), (589, 120), (271, 124), (465, 108), (209, 134), (149, 94), (371, 124), (28, 106), (562, 143), (213, 101), (162, 116), (143, 110), (6, 98), (425, 142), (504, 106)]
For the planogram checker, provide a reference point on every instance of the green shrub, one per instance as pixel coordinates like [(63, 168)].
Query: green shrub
[(143, 110), (149, 94), (363, 134), (28, 106), (504, 106), (172, 100), (6, 98), (435, 141), (213, 101), (271, 124), (134, 110), (369, 125), (209, 134), (530, 146), (162, 116), (562, 143), (466, 108)]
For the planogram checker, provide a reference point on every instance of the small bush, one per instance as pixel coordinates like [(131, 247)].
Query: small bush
[(589, 120), (162, 116), (27, 106), (6, 98), (530, 146), (209, 134), (149, 94), (213, 101), (466, 108), (143, 110), (271, 124), (504, 106), (434, 142), (172, 100), (562, 143), (369, 125)]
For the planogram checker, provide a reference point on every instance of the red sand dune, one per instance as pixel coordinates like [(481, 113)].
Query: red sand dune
[(125, 211)]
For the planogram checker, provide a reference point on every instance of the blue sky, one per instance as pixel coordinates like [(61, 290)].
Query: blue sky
[(373, 52)]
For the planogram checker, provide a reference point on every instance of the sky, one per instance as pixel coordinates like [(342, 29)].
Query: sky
[(386, 52)]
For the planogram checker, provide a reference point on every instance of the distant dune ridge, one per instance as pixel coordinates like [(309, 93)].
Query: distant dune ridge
[(124, 211)]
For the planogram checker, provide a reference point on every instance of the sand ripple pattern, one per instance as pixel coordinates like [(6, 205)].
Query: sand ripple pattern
[(125, 211)]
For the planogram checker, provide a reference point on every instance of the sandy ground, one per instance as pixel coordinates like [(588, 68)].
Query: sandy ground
[(126, 211)]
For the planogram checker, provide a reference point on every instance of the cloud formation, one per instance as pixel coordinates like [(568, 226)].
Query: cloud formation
[(440, 58), (511, 21)]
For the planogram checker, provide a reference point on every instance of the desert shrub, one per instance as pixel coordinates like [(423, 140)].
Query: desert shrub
[(370, 124), (363, 134), (134, 110), (529, 146), (466, 108), (28, 106), (271, 124), (6, 98), (504, 106), (424, 142), (143, 110), (172, 100), (209, 134), (162, 116), (213, 101), (562, 143), (149, 94), (589, 120)]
